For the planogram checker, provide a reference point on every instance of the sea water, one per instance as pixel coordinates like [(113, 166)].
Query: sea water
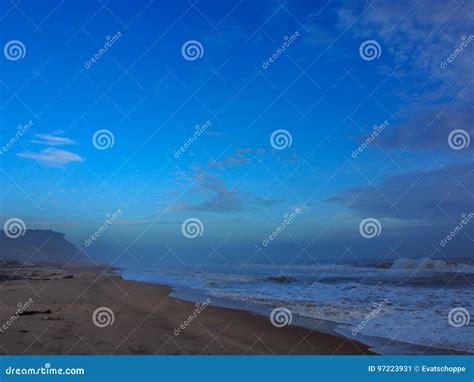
[(405, 302)]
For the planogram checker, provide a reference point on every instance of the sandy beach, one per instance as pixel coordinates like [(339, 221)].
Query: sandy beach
[(50, 310)]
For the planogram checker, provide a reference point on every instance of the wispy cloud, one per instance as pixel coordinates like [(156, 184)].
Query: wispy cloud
[(419, 36), (420, 33), (52, 157), (52, 140), (267, 202), (219, 197), (416, 195), (134, 222), (430, 129), (240, 157)]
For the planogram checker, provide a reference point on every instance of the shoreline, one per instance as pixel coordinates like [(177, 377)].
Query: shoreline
[(388, 346), (145, 317)]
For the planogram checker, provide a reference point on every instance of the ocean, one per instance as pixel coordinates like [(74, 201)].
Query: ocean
[(401, 307)]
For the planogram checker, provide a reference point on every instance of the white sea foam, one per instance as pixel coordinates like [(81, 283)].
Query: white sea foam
[(426, 265), (419, 295)]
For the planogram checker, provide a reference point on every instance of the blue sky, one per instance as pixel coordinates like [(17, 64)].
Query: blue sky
[(319, 89)]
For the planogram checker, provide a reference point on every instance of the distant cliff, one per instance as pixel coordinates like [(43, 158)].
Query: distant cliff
[(40, 246)]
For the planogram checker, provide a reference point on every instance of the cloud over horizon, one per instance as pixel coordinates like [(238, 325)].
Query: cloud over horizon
[(418, 195), (52, 157), (52, 139)]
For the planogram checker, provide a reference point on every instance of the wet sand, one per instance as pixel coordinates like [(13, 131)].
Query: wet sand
[(50, 311)]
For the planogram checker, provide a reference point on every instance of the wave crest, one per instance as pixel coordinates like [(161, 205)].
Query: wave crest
[(429, 265)]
